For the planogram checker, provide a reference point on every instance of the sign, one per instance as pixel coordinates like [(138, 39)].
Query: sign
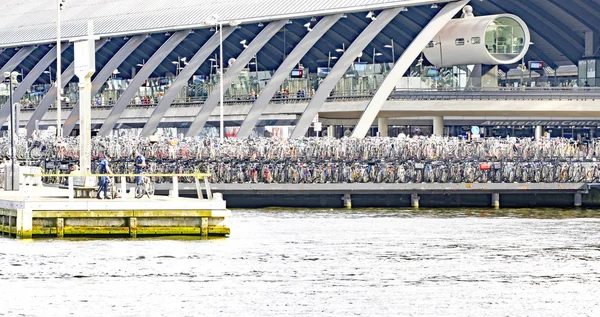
[(536, 65), (318, 126), (475, 129), (322, 71), (297, 73), (85, 55), (577, 123)]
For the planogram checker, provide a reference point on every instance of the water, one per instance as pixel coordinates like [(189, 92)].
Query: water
[(321, 263)]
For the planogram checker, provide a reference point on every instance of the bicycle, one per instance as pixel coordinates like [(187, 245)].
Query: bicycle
[(144, 187)]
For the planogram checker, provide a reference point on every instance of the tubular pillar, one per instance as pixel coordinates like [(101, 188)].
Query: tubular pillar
[(102, 76), (383, 127), (578, 200), (182, 80), (31, 77), (247, 54), (539, 131), (403, 63), (496, 200), (347, 201), (139, 79), (16, 59), (50, 96), (438, 126), (283, 71), (340, 68), (414, 200)]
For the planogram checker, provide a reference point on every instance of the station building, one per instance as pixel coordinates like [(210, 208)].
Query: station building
[(368, 67)]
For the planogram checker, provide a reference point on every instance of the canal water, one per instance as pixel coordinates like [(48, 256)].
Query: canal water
[(322, 263)]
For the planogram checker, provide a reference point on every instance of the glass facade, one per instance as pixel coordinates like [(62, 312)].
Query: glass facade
[(504, 38)]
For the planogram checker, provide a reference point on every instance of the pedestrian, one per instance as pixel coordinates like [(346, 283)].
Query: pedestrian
[(104, 168), (140, 162)]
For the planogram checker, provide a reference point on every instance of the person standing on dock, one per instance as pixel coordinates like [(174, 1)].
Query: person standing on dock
[(140, 162), (104, 168)]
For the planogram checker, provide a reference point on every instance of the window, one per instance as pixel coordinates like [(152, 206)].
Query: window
[(475, 40), (459, 42), (430, 44)]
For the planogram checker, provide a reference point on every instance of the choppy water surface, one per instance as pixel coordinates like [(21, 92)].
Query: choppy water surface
[(322, 263)]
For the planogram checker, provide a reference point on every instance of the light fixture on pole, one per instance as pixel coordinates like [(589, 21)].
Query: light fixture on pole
[(12, 84), (329, 60), (142, 64), (49, 72), (307, 26), (214, 19), (375, 53), (371, 15), (341, 50), (59, 7), (391, 46)]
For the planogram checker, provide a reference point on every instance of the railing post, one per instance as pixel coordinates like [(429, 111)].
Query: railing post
[(175, 192), (198, 188), (207, 187), (71, 194), (123, 187)]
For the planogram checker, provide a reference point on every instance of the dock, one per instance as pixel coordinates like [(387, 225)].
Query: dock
[(52, 212), (435, 195)]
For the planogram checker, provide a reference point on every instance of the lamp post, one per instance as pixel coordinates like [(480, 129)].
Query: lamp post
[(214, 19), (49, 72), (12, 84), (391, 46), (59, 6), (329, 60), (375, 54), (342, 50)]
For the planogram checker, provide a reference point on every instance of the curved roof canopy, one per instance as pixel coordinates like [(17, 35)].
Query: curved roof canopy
[(34, 21), (557, 28)]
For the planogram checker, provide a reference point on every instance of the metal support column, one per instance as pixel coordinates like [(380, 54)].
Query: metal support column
[(102, 76), (283, 72), (438, 126), (403, 63), (135, 84), (247, 54), (182, 79), (340, 68), (31, 77), (383, 126), (50, 96)]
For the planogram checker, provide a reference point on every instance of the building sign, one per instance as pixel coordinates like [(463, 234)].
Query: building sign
[(579, 123)]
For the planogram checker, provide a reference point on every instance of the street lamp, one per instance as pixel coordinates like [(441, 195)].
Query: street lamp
[(243, 42), (392, 47), (375, 54), (12, 83), (59, 7), (329, 60), (178, 64), (49, 72), (214, 19)]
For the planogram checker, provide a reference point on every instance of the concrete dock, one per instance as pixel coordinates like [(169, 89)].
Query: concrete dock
[(49, 212), (345, 195)]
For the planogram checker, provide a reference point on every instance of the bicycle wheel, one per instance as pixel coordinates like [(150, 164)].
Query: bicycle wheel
[(139, 190), (151, 189)]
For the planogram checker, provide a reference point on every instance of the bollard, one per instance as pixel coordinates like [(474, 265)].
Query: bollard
[(496, 200), (123, 187), (414, 200), (71, 194), (578, 199), (175, 192), (347, 201)]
